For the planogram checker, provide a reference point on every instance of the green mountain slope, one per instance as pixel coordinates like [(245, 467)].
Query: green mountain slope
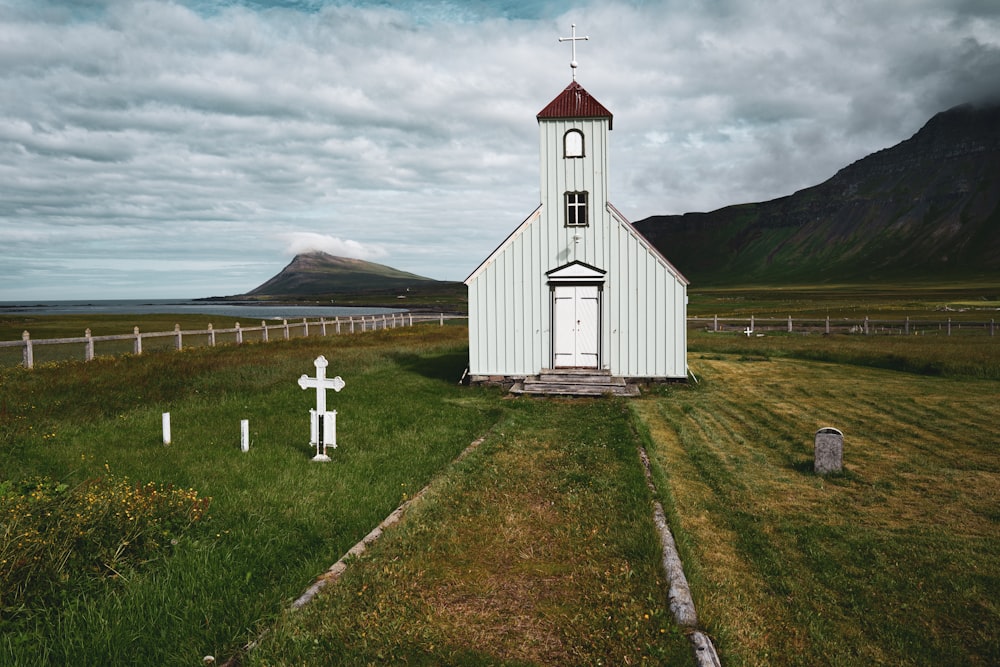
[(318, 273), (927, 207)]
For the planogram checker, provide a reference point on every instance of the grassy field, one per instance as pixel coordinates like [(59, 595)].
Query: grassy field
[(537, 550), (961, 301), (275, 520), (896, 561), (538, 547)]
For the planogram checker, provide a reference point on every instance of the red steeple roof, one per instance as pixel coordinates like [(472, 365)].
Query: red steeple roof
[(575, 102)]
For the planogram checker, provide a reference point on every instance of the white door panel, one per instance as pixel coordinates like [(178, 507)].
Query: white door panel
[(576, 316)]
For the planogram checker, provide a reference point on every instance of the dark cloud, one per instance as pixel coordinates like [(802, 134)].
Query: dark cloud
[(157, 148)]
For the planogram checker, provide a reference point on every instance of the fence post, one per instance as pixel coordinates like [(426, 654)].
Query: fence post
[(715, 324), (992, 325), (352, 323), (789, 324), (866, 325), (906, 327), (949, 326), (285, 324), (29, 354), (828, 325), (442, 319), (322, 326), (137, 346), (411, 319), (305, 327), (211, 335), (263, 331), (177, 333), (88, 354), (336, 323), (239, 334), (751, 323)]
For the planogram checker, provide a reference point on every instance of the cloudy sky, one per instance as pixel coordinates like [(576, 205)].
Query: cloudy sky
[(187, 148)]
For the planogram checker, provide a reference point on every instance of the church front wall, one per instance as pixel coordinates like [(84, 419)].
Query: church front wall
[(560, 175), (508, 310), (647, 311), (644, 301)]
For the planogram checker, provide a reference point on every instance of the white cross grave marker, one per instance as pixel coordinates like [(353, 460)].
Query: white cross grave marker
[(323, 424)]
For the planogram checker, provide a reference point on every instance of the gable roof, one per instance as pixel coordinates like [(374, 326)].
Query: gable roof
[(643, 241), (575, 102), (506, 242)]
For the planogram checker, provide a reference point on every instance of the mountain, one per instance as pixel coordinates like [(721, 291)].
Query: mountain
[(321, 274), (928, 207)]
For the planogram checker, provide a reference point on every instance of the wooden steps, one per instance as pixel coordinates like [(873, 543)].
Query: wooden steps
[(575, 382)]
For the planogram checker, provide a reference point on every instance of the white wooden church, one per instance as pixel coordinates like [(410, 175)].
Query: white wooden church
[(575, 287)]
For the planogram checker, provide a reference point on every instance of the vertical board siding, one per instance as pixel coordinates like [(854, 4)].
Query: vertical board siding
[(644, 300)]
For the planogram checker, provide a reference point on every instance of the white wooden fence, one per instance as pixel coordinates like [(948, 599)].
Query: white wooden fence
[(866, 326), (237, 334), (323, 327)]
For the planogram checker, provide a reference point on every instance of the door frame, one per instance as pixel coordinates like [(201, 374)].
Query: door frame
[(576, 274)]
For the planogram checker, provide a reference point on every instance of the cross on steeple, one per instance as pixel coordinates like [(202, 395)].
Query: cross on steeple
[(573, 40)]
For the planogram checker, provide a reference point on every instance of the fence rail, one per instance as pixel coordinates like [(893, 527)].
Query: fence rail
[(867, 326), (136, 341), (133, 343)]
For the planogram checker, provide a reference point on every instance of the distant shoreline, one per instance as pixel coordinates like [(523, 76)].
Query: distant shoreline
[(248, 309)]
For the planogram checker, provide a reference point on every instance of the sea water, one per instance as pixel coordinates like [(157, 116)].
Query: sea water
[(247, 310)]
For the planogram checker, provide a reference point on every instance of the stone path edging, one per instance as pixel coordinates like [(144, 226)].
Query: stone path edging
[(338, 568), (679, 593)]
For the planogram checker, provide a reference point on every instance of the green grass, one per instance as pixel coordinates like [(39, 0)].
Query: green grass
[(538, 549), (880, 300), (893, 562), (276, 519), (67, 326), (948, 356)]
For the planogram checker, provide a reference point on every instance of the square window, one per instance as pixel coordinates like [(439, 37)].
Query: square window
[(576, 209)]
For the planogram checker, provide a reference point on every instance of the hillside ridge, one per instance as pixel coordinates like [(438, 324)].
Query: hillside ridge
[(929, 205), (320, 273)]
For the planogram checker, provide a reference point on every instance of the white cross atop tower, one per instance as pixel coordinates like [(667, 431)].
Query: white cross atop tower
[(573, 40), (323, 424)]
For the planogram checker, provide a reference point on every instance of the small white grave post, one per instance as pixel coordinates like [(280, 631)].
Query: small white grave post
[(323, 424), (166, 428), (245, 435)]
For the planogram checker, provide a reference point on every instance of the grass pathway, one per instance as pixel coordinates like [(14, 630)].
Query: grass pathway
[(536, 549)]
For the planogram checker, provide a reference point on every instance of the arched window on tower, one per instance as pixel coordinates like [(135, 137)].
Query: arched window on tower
[(573, 144)]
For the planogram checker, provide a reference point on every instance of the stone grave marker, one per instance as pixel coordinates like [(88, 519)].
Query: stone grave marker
[(828, 451)]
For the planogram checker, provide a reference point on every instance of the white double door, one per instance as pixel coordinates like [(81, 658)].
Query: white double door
[(576, 311)]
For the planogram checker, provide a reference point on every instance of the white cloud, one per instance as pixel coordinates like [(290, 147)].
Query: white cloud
[(297, 243), (217, 132)]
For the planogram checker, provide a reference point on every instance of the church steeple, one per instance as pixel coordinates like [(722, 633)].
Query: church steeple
[(576, 103)]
